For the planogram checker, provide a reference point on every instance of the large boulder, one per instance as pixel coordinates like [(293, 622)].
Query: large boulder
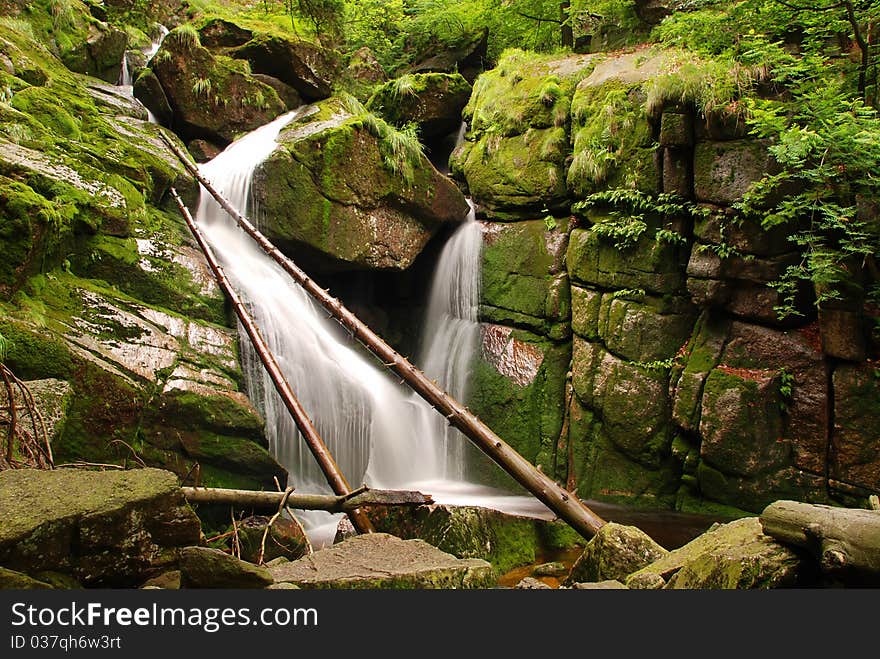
[(203, 567), (615, 552), (104, 528), (433, 101), (505, 540), (379, 560), (524, 282), (306, 67), (467, 56), (211, 97), (329, 193), (731, 556), (514, 157)]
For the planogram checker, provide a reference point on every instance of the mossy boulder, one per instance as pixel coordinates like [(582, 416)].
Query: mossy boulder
[(612, 138), (284, 538), (731, 556), (647, 329), (104, 528), (378, 560), (629, 398), (204, 567), (466, 55), (725, 171), (148, 90), (524, 282), (615, 552), (12, 580), (362, 74), (329, 197), (604, 472), (211, 97), (647, 265), (513, 159), (741, 421), (505, 540), (433, 101), (303, 65)]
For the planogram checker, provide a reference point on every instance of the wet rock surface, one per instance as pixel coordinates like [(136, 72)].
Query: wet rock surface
[(379, 560)]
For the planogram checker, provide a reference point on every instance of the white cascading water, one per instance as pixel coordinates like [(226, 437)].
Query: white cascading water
[(379, 433), (125, 81), (451, 335)]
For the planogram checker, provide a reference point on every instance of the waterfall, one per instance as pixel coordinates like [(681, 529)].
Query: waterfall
[(125, 80), (125, 74), (451, 334), (378, 432)]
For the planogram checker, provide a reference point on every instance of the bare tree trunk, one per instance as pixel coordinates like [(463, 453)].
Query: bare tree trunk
[(325, 460), (330, 503), (567, 31), (566, 505)]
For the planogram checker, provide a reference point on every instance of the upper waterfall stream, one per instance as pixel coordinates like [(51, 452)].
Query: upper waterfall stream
[(379, 433)]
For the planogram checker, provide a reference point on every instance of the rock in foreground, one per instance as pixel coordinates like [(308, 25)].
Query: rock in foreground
[(732, 556), (380, 560), (104, 528)]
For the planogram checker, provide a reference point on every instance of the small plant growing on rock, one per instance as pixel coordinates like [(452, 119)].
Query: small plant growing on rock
[(186, 36)]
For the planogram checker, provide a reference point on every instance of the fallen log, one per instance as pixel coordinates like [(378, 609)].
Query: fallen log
[(842, 539), (565, 504), (330, 503), (330, 469)]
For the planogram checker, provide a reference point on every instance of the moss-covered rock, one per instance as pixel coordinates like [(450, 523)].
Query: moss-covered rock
[(329, 194), (724, 171), (303, 65), (362, 75), (104, 528), (514, 157), (615, 552), (856, 419), (523, 276), (210, 96), (732, 556), (505, 540), (647, 331), (433, 101), (612, 140), (741, 421), (203, 567), (518, 389), (648, 265)]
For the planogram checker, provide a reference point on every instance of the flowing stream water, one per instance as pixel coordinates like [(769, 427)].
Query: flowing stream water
[(125, 81), (379, 433)]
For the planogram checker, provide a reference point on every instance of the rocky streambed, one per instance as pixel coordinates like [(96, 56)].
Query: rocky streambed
[(72, 528)]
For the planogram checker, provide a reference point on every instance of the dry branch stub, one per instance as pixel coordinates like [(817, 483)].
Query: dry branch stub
[(565, 504)]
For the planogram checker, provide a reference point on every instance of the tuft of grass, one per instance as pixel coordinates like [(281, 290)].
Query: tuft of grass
[(402, 152), (186, 36), (19, 26), (708, 86), (403, 86), (62, 14), (202, 87)]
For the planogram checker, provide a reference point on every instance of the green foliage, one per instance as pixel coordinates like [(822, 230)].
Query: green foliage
[(829, 152), (786, 389), (4, 348), (202, 87), (623, 230)]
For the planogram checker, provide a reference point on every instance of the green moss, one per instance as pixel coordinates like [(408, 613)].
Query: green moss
[(34, 354), (613, 146)]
